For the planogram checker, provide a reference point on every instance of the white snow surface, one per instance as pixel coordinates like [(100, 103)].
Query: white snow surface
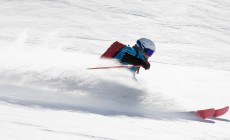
[(47, 92)]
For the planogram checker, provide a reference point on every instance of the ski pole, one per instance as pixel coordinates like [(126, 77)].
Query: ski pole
[(111, 67)]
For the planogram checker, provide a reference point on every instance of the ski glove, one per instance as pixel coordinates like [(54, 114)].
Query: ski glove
[(146, 65), (128, 58)]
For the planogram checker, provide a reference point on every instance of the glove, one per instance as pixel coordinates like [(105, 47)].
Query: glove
[(146, 65)]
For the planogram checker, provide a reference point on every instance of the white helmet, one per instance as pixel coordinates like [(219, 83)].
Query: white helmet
[(145, 43)]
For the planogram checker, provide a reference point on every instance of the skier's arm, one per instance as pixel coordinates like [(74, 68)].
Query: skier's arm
[(128, 58)]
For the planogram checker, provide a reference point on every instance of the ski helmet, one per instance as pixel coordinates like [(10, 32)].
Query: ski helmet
[(146, 45)]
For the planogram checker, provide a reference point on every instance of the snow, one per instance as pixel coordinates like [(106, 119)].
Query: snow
[(46, 91)]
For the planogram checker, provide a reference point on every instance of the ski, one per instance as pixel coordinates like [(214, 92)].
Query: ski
[(211, 112), (205, 113), (221, 111)]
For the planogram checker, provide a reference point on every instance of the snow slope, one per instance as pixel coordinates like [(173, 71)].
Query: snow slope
[(46, 91)]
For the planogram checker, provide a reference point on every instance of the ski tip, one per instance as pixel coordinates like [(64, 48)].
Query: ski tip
[(221, 111), (227, 107)]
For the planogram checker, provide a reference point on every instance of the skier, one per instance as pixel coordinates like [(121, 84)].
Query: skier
[(136, 55)]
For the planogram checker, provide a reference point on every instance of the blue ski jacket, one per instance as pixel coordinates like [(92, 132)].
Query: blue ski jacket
[(132, 51)]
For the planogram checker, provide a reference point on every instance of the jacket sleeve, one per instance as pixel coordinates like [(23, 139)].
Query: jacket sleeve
[(128, 58)]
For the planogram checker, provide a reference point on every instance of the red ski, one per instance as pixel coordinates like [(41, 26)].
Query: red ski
[(220, 112), (208, 113)]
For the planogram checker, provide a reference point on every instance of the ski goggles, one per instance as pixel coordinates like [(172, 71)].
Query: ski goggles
[(148, 52)]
